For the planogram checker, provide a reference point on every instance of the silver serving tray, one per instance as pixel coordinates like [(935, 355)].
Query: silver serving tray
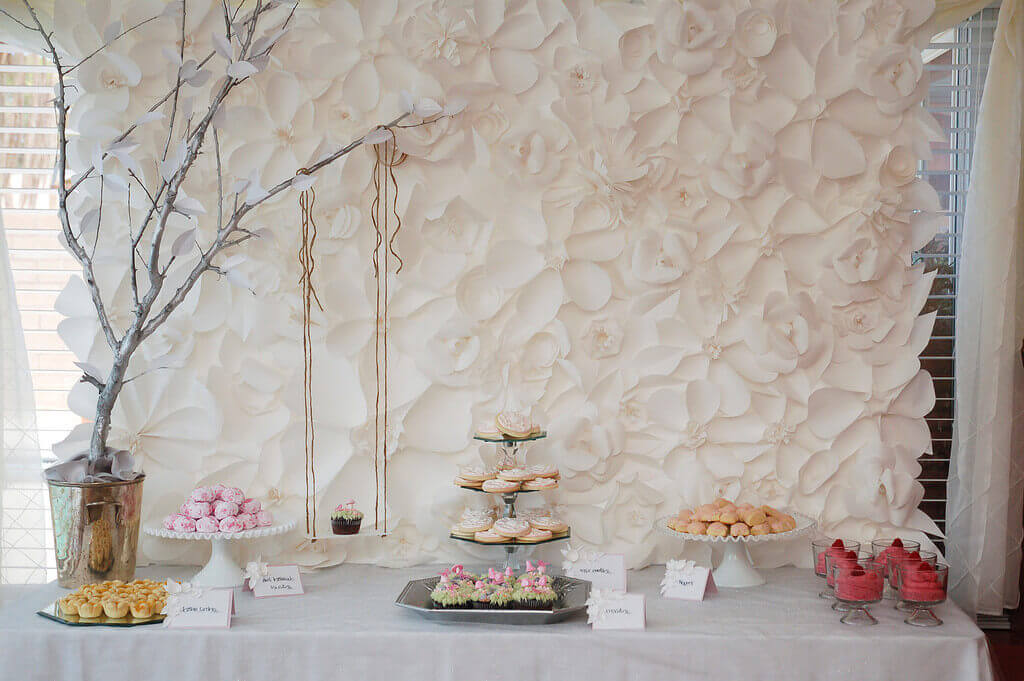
[(416, 597)]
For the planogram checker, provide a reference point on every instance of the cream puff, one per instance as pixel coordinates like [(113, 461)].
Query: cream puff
[(697, 527), (739, 530), (717, 530)]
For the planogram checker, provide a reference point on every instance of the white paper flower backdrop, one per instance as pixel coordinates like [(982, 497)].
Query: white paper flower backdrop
[(686, 228)]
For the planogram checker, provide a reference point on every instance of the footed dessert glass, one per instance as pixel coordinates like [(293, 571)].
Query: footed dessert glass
[(887, 549), (849, 558), (820, 548), (858, 583), (913, 557), (922, 586)]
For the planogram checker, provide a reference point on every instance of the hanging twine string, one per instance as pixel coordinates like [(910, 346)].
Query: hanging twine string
[(383, 211), (307, 264)]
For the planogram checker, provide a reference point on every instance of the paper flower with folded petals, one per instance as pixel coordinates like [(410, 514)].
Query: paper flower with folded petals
[(676, 571), (893, 76), (255, 571), (755, 33), (599, 601)]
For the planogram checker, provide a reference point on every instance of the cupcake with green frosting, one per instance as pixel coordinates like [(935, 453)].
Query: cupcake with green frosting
[(503, 597), (346, 519), (448, 595), (535, 593)]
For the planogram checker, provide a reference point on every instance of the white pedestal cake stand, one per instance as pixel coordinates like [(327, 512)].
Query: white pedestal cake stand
[(221, 571), (735, 569)]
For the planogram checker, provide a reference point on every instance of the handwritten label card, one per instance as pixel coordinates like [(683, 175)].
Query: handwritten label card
[(608, 609), (201, 609), (602, 570), (687, 581), (280, 580)]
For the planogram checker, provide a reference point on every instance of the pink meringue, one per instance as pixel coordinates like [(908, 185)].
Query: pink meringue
[(232, 495), (183, 524), (223, 509), (251, 506), (169, 520), (264, 519), (248, 520), (231, 524), (198, 509), (207, 524), (202, 494), (218, 489)]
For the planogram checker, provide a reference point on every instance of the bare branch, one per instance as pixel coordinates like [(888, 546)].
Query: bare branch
[(17, 20), (92, 380), (108, 44), (220, 182)]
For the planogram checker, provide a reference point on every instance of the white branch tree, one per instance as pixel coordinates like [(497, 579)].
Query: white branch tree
[(246, 44)]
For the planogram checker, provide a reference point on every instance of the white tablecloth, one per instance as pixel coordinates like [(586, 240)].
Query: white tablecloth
[(346, 626)]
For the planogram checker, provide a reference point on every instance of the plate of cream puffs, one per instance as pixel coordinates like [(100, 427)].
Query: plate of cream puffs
[(724, 520)]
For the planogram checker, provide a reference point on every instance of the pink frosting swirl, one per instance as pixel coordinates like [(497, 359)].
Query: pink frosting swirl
[(233, 495), (248, 520), (231, 524), (251, 506), (264, 519), (197, 509), (207, 524), (202, 494), (183, 524)]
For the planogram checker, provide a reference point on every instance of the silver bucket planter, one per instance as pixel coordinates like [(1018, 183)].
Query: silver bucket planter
[(95, 530)]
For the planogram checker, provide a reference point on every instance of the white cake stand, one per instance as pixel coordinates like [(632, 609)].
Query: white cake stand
[(735, 569), (221, 571)]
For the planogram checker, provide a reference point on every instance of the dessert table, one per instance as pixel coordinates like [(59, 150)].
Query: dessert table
[(347, 625)]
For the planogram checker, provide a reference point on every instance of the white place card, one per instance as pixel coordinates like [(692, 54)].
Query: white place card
[(280, 580), (602, 570), (687, 581), (200, 609), (609, 609)]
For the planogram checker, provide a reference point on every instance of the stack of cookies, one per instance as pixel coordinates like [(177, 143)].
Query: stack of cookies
[(508, 425), (530, 479), (483, 529), (723, 518), (115, 599)]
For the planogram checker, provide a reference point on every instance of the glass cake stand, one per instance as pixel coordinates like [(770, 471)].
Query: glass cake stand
[(509, 449), (221, 571)]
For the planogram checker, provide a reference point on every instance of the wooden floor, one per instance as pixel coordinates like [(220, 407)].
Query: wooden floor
[(1007, 654)]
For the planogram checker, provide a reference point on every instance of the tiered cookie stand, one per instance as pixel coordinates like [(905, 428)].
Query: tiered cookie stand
[(511, 454)]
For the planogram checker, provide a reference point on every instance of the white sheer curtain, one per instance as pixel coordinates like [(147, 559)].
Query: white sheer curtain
[(19, 456), (986, 483)]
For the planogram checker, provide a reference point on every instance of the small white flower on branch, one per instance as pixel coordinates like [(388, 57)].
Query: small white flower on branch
[(454, 106), (264, 233), (183, 244), (186, 205), (242, 69), (170, 165), (303, 182), (254, 191), (149, 117), (111, 32), (97, 158), (264, 43), (223, 46), (191, 73), (378, 135), (90, 222)]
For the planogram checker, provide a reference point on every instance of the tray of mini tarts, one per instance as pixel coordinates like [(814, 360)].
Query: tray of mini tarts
[(513, 541), (52, 612), (573, 594)]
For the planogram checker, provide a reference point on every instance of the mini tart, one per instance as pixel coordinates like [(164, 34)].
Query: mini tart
[(516, 475), (535, 535), (141, 609), (463, 482), (475, 474), (538, 484), (549, 523), (115, 609), (67, 606), (489, 537), (511, 527), (499, 486), (90, 610)]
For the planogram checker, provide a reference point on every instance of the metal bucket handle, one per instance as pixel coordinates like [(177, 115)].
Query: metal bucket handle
[(94, 510)]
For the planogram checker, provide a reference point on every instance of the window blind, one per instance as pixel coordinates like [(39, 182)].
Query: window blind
[(40, 268), (956, 63)]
